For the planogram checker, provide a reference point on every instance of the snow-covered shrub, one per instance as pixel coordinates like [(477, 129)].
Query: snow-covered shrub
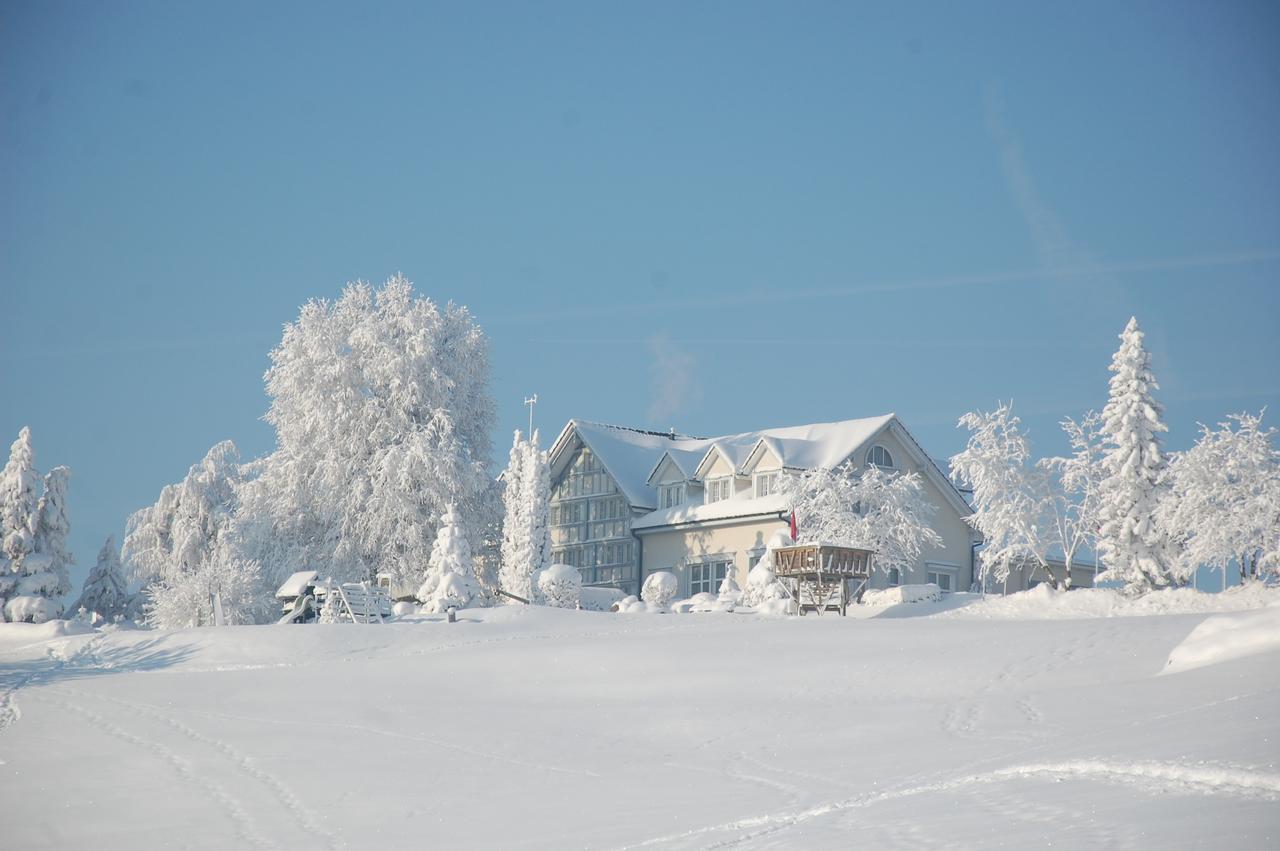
[(762, 583), (403, 609), (660, 588), (624, 604), (560, 586), (222, 589), (730, 594), (450, 578), (598, 599), (928, 593), (28, 609), (331, 609)]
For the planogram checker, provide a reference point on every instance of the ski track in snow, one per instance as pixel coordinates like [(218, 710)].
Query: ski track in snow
[(305, 819), (245, 829), (1150, 777)]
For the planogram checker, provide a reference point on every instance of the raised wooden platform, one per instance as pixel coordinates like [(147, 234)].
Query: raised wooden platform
[(820, 574)]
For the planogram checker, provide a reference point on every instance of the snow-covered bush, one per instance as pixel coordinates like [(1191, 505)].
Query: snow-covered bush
[(450, 580), (730, 594), (28, 609), (762, 583), (660, 588), (403, 609), (560, 586), (221, 589)]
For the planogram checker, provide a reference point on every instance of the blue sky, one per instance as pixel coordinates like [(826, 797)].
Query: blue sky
[(713, 216)]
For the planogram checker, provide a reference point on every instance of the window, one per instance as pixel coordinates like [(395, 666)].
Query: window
[(895, 576), (766, 483), (753, 557), (943, 577), (880, 457), (719, 489), (705, 577), (672, 495)]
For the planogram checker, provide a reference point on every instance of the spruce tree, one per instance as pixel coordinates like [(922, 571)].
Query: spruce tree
[(18, 506), (1133, 546), (104, 592)]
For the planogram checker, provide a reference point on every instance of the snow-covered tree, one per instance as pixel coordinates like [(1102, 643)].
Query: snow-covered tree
[(560, 586), (105, 593), (871, 509), (1134, 547), (1224, 500), (43, 572), (526, 536), (1009, 497), (222, 588), (383, 417), (184, 551), (1075, 489), (451, 579), (18, 506), (729, 593)]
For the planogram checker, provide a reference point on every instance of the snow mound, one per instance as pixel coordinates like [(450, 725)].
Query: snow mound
[(21, 634), (1044, 603), (929, 593), (1225, 637)]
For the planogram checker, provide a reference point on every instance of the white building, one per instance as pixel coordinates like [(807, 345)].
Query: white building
[(627, 502)]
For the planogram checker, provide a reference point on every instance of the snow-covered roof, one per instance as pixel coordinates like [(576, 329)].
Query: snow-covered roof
[(726, 509), (632, 455)]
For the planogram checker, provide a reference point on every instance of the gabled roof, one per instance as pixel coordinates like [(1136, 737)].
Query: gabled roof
[(633, 455)]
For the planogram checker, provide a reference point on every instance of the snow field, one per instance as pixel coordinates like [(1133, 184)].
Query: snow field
[(545, 728)]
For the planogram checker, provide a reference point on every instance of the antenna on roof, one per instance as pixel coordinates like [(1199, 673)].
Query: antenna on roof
[(671, 430), (531, 401)]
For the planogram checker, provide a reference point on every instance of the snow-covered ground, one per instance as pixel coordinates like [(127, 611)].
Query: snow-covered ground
[(991, 724)]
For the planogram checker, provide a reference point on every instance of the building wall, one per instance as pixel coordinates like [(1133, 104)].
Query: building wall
[(591, 524), (676, 550)]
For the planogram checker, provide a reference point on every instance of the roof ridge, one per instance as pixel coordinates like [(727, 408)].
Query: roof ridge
[(670, 435)]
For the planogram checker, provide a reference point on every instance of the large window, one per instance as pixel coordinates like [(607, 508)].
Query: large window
[(706, 576), (591, 524), (672, 495), (719, 489), (880, 456), (943, 577), (766, 483)]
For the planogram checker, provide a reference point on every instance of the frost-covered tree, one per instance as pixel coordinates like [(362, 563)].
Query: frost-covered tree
[(380, 402), (886, 513), (1134, 547), (1223, 504), (1075, 489), (183, 549), (560, 586), (18, 505), (1008, 493), (105, 592), (451, 579), (526, 535), (223, 588), (43, 572)]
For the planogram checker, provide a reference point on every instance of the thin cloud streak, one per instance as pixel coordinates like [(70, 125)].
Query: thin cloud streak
[(1089, 273)]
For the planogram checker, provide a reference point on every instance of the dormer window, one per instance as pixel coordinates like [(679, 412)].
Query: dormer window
[(766, 484), (718, 489), (880, 457), (672, 495)]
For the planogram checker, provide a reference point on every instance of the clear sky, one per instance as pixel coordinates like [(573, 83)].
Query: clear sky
[(713, 216)]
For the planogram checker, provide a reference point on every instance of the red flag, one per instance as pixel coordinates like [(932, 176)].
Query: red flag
[(795, 532)]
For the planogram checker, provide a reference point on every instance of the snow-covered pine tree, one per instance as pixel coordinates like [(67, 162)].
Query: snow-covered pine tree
[(381, 406), (184, 548), (450, 579), (515, 575), (104, 592), (43, 573), (1224, 500), (1134, 547), (18, 506)]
